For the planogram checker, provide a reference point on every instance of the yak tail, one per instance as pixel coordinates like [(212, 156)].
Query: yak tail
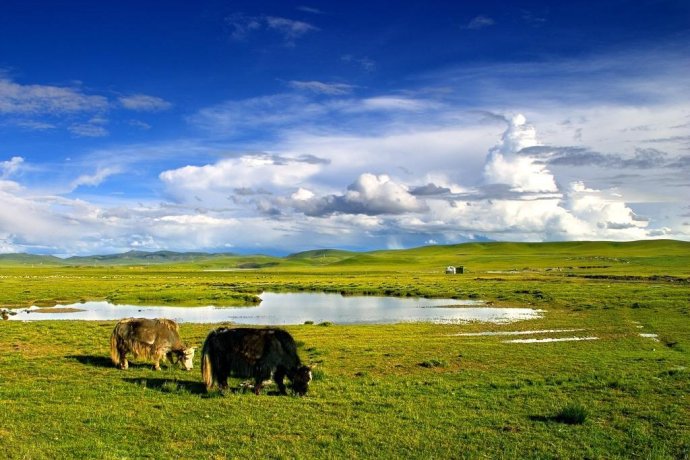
[(206, 367), (114, 352)]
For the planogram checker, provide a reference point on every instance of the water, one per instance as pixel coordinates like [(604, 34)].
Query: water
[(296, 308)]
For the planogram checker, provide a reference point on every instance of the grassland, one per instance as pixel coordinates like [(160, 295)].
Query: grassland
[(408, 390)]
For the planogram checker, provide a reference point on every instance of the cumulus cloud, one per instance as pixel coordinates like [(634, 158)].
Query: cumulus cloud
[(489, 180), (518, 197), (370, 194), (522, 173), (536, 207), (215, 182)]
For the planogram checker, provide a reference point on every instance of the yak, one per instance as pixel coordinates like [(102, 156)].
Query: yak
[(253, 353), (150, 339)]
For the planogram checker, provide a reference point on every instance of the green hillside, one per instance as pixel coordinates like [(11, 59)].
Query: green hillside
[(29, 259), (636, 257), (142, 257)]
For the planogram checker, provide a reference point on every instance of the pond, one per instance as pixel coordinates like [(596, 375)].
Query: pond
[(296, 308)]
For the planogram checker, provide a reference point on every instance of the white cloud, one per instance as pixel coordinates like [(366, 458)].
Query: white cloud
[(34, 125), (530, 206), (18, 99), (370, 194), (88, 129), (365, 63), (396, 104), (480, 22), (243, 26), (290, 28), (144, 103), (216, 182), (10, 167), (271, 115), (507, 165), (425, 171), (321, 87), (276, 110), (95, 179)]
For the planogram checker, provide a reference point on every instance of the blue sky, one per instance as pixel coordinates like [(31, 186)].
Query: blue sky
[(282, 126)]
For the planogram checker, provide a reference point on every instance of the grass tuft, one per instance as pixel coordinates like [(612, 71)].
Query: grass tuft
[(433, 363), (572, 414)]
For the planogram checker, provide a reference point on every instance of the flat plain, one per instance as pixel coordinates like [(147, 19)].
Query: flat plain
[(475, 390)]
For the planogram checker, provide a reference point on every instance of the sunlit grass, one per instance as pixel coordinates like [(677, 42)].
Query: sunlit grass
[(391, 391)]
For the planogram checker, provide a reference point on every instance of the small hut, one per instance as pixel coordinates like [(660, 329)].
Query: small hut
[(451, 270)]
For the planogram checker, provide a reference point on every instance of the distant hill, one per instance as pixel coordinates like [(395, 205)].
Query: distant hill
[(321, 256), (490, 255), (29, 259), (142, 257)]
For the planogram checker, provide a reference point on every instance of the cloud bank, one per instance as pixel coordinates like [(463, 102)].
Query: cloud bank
[(288, 201)]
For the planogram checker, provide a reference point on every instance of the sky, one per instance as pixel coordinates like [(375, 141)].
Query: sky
[(277, 126)]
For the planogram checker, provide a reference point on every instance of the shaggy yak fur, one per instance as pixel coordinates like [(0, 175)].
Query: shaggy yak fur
[(149, 339), (253, 353)]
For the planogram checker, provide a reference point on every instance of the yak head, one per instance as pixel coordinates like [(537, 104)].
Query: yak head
[(184, 357), (301, 379)]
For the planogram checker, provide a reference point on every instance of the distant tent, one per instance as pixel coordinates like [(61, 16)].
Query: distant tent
[(450, 270)]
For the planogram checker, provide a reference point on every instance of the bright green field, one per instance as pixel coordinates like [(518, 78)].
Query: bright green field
[(394, 391)]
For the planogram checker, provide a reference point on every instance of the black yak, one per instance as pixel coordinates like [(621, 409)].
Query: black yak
[(151, 339), (253, 353)]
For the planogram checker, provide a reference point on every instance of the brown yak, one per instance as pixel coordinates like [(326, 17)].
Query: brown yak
[(150, 339)]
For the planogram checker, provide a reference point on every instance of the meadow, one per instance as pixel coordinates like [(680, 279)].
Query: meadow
[(380, 391)]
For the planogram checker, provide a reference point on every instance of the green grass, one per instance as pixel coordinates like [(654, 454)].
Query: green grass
[(379, 391), (572, 414)]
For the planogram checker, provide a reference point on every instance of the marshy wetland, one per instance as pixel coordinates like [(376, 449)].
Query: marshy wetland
[(524, 389)]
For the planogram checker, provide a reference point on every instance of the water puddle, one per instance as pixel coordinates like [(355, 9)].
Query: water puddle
[(654, 337), (297, 308), (551, 339), (492, 333)]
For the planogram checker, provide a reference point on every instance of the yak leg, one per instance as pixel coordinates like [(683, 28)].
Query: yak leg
[(157, 360), (123, 364), (278, 377), (259, 381), (258, 384), (222, 380)]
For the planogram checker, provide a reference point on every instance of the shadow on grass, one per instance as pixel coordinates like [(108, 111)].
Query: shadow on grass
[(558, 418), (242, 389), (92, 360), (169, 385), (102, 361)]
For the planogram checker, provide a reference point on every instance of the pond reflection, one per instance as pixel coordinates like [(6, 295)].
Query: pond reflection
[(296, 308)]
